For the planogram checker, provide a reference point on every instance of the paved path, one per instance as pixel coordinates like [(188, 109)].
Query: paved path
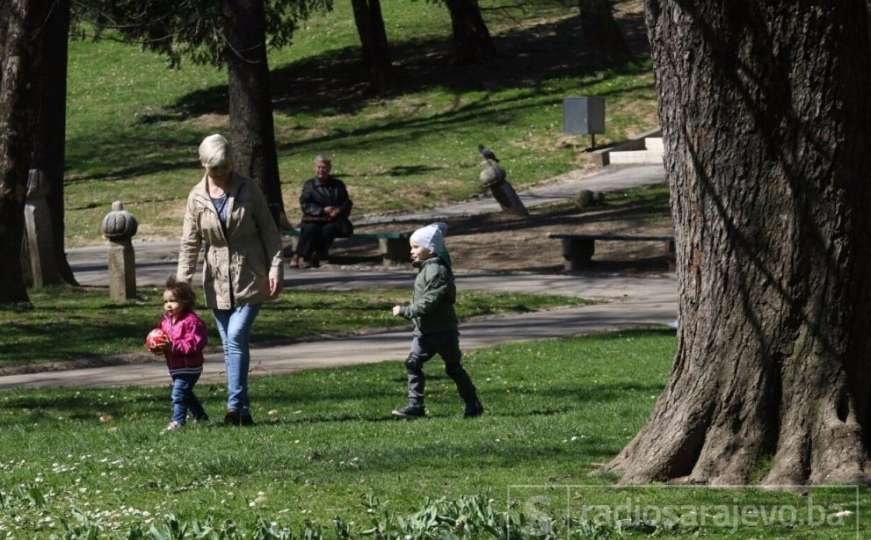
[(631, 302), (154, 261), (565, 186)]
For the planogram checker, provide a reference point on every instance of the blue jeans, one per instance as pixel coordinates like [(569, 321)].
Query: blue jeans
[(234, 325), (184, 400)]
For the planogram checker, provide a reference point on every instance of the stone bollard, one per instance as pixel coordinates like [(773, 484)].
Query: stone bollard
[(493, 177), (40, 259), (118, 227), (586, 198)]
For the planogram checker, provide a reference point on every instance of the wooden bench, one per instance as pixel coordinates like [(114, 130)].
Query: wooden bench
[(578, 249), (392, 246)]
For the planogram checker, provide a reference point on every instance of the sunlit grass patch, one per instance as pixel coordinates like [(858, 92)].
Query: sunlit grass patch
[(133, 126)]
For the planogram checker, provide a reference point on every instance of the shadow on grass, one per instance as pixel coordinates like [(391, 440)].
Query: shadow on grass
[(361, 388), (128, 154), (335, 83), (90, 404)]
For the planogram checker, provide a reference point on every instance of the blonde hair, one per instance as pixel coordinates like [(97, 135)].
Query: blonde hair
[(215, 154)]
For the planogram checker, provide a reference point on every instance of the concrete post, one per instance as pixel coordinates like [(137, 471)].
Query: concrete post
[(38, 237), (118, 227), (394, 251), (122, 272)]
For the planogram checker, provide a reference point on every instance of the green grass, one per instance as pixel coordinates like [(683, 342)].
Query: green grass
[(74, 323), (133, 126), (324, 446), (652, 199)]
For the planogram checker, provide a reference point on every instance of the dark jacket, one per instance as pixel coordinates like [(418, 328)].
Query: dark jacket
[(432, 305), (318, 195)]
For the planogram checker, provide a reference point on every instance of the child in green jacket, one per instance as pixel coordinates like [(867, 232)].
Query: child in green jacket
[(435, 322)]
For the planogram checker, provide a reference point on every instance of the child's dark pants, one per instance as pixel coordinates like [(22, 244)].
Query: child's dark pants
[(447, 345)]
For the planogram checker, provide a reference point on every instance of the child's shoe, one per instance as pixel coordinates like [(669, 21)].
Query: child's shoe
[(410, 411), (473, 409), (173, 426)]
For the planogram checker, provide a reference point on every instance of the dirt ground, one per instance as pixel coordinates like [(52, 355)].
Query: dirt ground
[(503, 242)]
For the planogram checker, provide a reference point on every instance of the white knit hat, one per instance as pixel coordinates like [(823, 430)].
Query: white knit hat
[(431, 237)]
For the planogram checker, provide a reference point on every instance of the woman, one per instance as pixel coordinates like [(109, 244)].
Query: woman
[(227, 214), (325, 208)]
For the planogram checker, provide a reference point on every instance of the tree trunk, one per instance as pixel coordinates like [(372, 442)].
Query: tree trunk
[(766, 121), (868, 14), (373, 42), (252, 132), (50, 131), (600, 31), (22, 25), (472, 42), (4, 23)]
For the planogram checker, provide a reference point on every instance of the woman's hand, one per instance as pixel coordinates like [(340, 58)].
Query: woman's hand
[(274, 287), (397, 310)]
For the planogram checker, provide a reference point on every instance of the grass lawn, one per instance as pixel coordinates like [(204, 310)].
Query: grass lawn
[(74, 323), (326, 458), (133, 126)]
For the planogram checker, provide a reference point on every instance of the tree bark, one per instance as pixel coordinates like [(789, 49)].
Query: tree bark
[(600, 31), (766, 123), (22, 32), (50, 91), (4, 23), (252, 131), (472, 42), (868, 14), (373, 42)]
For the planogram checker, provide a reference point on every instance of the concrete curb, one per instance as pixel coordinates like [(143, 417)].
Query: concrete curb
[(602, 156)]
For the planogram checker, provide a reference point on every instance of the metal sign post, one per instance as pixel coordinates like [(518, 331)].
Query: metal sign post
[(584, 115)]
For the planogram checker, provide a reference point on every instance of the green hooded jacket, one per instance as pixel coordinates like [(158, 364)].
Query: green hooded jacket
[(432, 305)]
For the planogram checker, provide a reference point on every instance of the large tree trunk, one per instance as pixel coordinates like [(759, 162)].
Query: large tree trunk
[(17, 65), (472, 42), (766, 123), (600, 31), (252, 132), (373, 42), (49, 135), (868, 14), (4, 23)]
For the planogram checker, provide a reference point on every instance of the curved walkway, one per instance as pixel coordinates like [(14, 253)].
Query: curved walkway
[(629, 302)]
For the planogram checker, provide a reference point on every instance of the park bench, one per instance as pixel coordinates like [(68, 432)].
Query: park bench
[(392, 246), (578, 249)]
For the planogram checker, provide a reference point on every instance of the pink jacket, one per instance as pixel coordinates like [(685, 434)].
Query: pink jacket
[(188, 337)]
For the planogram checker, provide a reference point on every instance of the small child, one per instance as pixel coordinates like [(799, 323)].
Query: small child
[(435, 322), (183, 351)]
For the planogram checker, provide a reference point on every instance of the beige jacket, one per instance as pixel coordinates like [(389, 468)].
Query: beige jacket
[(238, 263)]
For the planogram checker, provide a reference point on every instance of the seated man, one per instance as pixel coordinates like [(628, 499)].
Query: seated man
[(325, 209)]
